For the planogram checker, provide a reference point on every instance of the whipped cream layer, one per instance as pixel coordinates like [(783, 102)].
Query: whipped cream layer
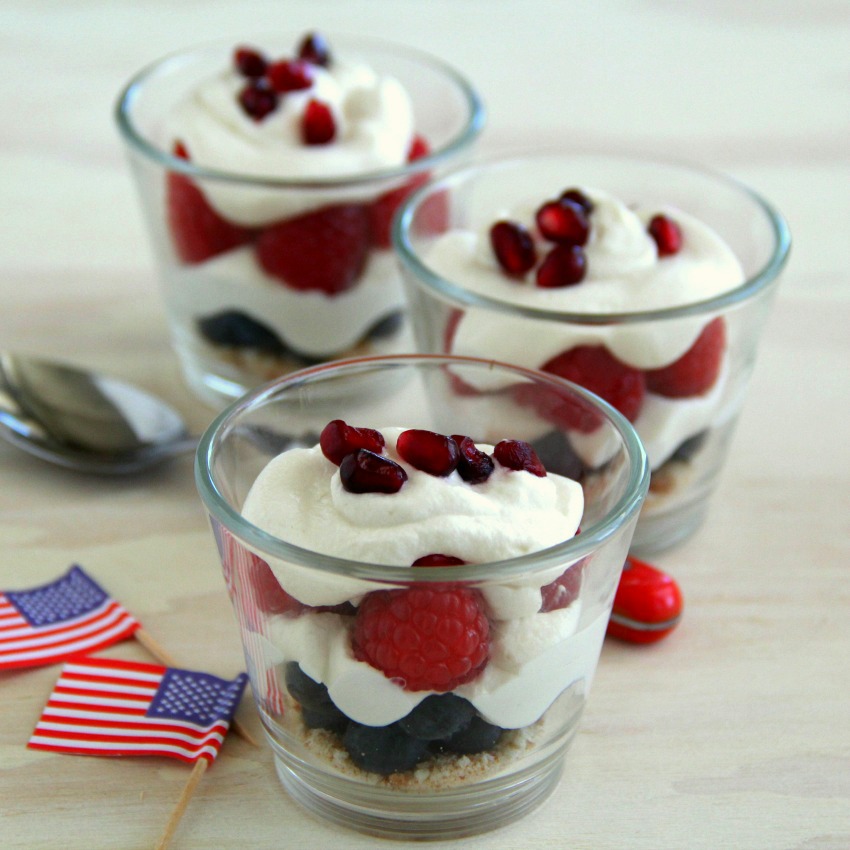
[(534, 656), (533, 660), (311, 322), (624, 275), (299, 498), (374, 130)]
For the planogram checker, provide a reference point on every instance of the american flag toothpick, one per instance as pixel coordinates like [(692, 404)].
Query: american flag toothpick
[(70, 616), (108, 707)]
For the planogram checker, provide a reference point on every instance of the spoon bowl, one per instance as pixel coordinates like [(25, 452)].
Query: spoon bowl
[(84, 420)]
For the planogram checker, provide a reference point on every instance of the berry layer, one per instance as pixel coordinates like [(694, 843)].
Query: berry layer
[(538, 643), (310, 322)]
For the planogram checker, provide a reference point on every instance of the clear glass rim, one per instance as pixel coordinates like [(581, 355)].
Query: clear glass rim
[(568, 551), (460, 296), (139, 142)]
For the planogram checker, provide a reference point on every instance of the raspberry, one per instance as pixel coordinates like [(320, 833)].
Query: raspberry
[(563, 591), (197, 230), (324, 250), (428, 638), (596, 369), (695, 372), (438, 560)]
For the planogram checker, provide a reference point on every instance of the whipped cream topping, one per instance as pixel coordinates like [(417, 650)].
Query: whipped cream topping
[(624, 272), (534, 656), (624, 275), (374, 130), (312, 322), (299, 498)]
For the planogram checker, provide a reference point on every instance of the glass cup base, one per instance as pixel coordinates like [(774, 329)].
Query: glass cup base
[(434, 817), (659, 532)]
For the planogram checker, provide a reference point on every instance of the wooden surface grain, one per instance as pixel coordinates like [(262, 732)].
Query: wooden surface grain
[(735, 732)]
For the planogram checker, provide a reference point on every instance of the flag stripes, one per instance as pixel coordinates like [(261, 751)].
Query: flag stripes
[(107, 707), (71, 616)]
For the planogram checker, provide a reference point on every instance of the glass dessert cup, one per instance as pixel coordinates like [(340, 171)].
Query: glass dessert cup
[(532, 691), (217, 234), (687, 438)]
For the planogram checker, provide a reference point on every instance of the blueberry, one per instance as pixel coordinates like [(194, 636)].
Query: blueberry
[(383, 749), (690, 447), (240, 331), (387, 326), (438, 716), (558, 456), (333, 720), (478, 736), (317, 708)]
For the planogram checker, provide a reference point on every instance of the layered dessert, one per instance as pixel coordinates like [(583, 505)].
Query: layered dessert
[(271, 271), (583, 251), (424, 682)]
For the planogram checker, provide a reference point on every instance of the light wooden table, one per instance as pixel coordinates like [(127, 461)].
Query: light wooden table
[(735, 732)]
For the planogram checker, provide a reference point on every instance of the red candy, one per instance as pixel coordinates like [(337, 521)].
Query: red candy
[(647, 606)]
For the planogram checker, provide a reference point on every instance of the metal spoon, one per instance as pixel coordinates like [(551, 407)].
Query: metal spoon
[(83, 420)]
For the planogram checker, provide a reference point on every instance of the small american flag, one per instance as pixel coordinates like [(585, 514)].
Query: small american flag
[(70, 616), (108, 707)]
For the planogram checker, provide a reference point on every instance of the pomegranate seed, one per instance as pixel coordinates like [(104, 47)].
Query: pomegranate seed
[(578, 197), (438, 561), (563, 221), (474, 466), (288, 75), (249, 62), (363, 471), (518, 455), (564, 265), (433, 453), (257, 100), (513, 246), (419, 148), (339, 439), (318, 126), (667, 235), (314, 48)]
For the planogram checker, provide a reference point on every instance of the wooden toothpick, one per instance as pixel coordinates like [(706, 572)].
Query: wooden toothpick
[(188, 789), (164, 657)]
